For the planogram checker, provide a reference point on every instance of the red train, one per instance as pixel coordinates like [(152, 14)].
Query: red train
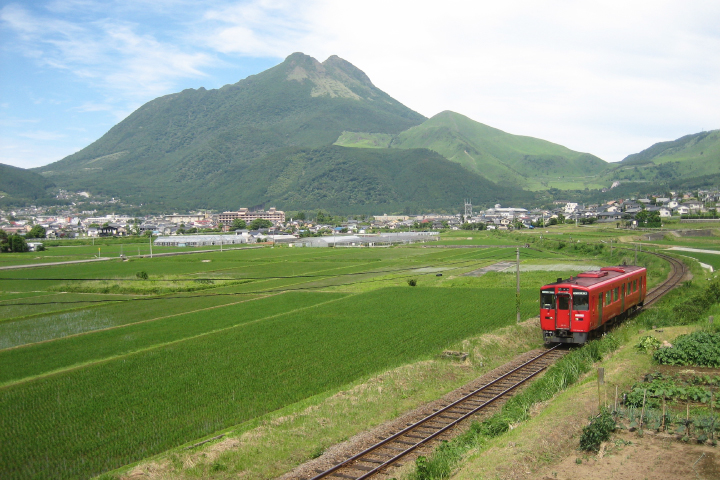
[(579, 308)]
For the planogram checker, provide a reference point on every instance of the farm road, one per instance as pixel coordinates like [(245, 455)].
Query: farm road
[(102, 259)]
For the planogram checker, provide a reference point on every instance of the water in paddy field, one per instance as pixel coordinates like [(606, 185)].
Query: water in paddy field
[(48, 327)]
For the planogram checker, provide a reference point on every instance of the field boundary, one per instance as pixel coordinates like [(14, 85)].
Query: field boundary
[(158, 345)]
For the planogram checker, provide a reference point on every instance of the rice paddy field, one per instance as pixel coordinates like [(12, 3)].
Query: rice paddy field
[(107, 363)]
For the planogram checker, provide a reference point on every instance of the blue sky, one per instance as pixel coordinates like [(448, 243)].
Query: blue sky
[(609, 78)]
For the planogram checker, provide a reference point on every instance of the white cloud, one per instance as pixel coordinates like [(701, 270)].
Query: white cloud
[(42, 135), (107, 53)]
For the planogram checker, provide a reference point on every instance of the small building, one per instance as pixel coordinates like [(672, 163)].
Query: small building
[(199, 240), (34, 246)]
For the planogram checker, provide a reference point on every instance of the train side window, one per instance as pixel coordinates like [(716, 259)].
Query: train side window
[(635, 285), (617, 293), (608, 297), (581, 301)]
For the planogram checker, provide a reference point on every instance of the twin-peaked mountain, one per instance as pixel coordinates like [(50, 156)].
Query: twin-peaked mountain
[(281, 137)]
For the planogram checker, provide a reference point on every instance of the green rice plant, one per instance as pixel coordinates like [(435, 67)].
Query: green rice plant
[(102, 415), (63, 353)]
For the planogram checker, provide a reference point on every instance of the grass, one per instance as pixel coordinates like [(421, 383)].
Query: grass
[(558, 377)]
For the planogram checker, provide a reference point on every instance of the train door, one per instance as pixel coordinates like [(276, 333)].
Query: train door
[(600, 305), (622, 296), (562, 310)]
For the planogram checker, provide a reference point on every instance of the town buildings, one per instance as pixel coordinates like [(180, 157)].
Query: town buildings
[(275, 216)]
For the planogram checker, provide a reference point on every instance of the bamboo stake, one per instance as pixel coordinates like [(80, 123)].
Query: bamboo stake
[(662, 425), (600, 381), (616, 397), (642, 413), (712, 414)]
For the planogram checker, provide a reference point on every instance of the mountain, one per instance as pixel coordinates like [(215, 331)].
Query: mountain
[(347, 180), (692, 160), (181, 150), (19, 186), (496, 155)]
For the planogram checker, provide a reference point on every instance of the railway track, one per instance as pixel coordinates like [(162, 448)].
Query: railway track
[(677, 273), (389, 452)]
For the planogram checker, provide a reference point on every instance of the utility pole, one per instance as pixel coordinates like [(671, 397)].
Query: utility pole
[(517, 281), (636, 254), (150, 244)]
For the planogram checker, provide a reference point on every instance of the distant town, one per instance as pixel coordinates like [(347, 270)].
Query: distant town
[(309, 228)]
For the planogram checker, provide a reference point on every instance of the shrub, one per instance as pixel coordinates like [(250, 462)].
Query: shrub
[(142, 275), (412, 282), (647, 343), (598, 431)]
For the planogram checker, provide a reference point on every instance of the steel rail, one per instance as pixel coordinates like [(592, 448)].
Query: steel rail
[(348, 462)]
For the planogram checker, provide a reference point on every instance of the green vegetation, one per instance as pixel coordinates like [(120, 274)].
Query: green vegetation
[(22, 187), (498, 156), (105, 360), (309, 351), (275, 329), (690, 158), (700, 349), (560, 376), (656, 388), (598, 431), (683, 404)]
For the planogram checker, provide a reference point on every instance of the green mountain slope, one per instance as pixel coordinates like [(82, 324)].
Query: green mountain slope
[(498, 156), (347, 180), (686, 160), (19, 186), (193, 140)]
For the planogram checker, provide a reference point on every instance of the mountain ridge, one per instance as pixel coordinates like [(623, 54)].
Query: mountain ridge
[(497, 155)]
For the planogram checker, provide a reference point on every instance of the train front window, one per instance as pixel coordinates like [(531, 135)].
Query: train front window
[(547, 300), (563, 302), (581, 301)]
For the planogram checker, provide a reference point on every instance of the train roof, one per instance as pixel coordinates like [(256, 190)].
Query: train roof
[(595, 277)]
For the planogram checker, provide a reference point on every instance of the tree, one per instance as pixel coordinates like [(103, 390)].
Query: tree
[(37, 232), (239, 224), (301, 216), (259, 223), (4, 244), (17, 243)]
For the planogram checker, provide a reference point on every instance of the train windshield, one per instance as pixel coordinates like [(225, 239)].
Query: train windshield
[(547, 299), (581, 300), (563, 302)]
